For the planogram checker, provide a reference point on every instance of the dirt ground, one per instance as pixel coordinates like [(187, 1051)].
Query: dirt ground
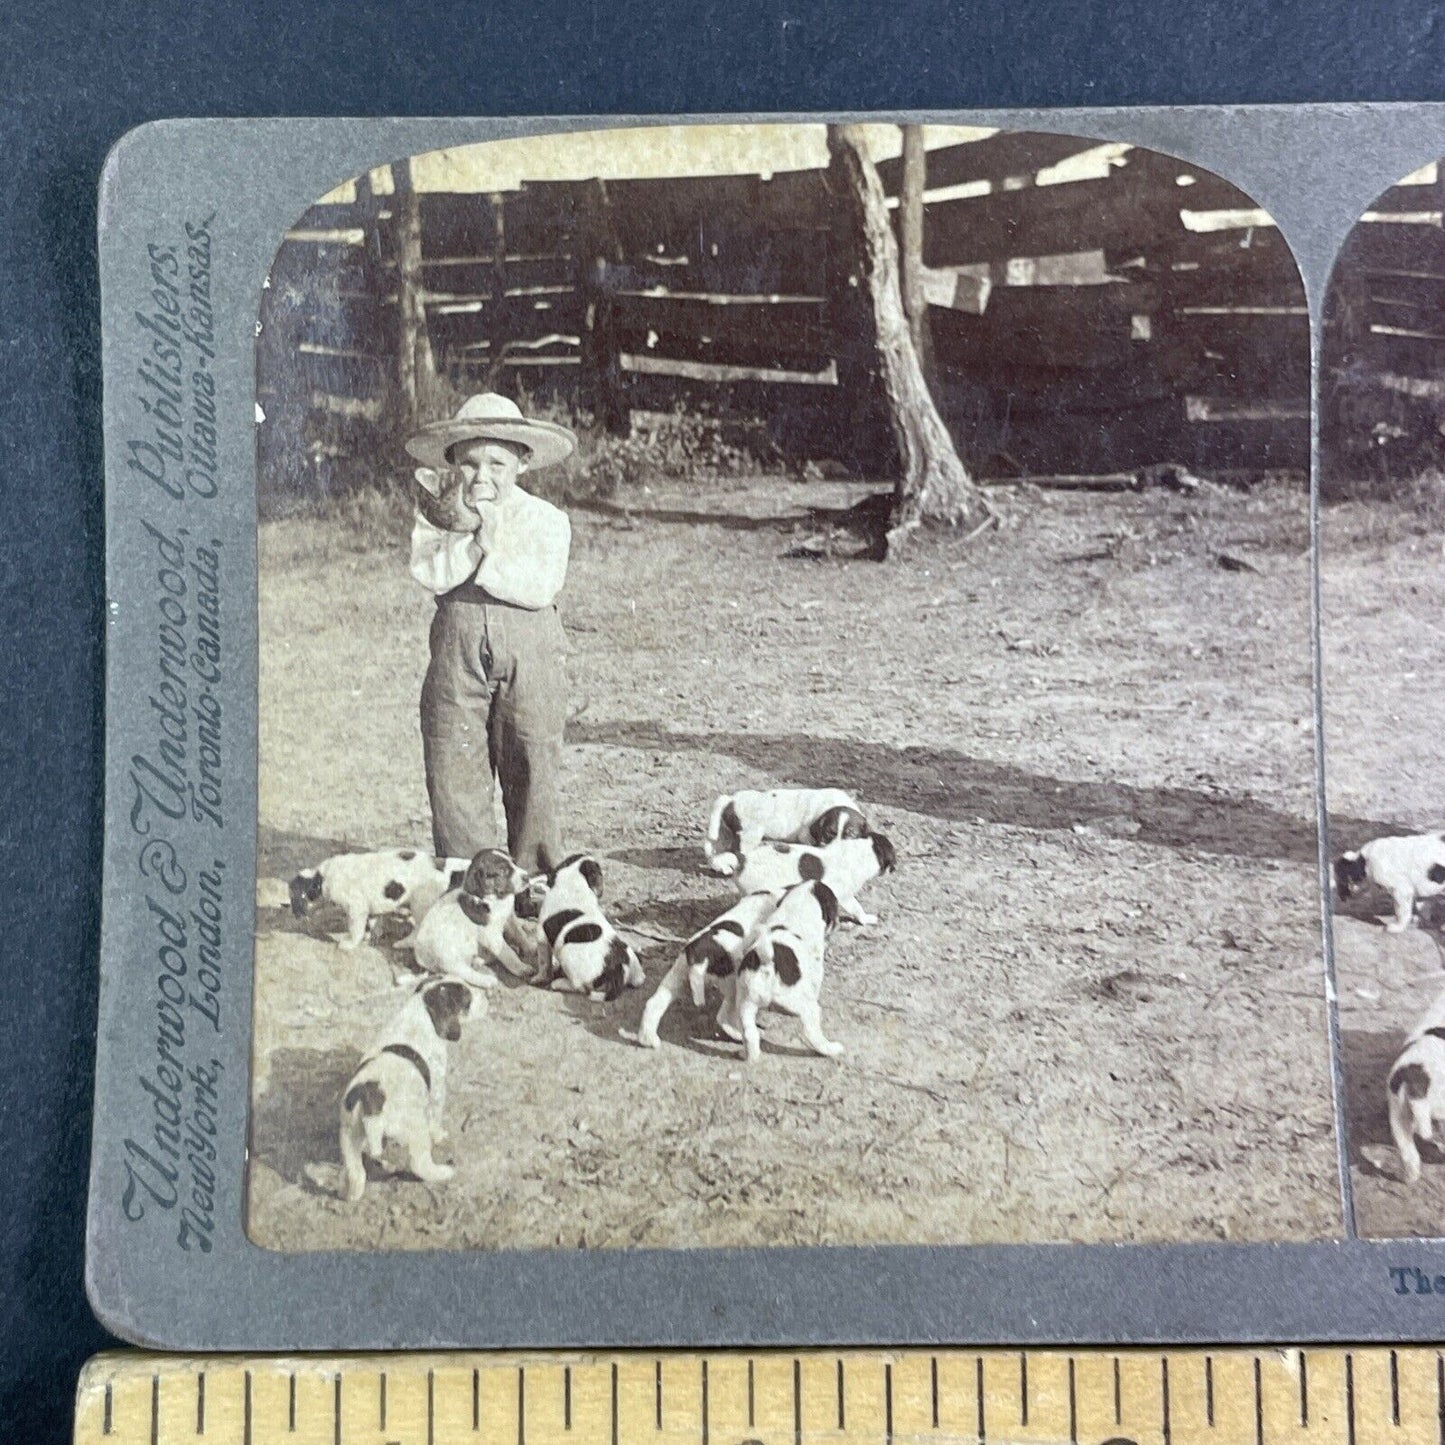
[(1382, 599), (1093, 1009)]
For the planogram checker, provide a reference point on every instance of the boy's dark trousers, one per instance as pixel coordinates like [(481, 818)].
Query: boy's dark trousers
[(494, 701)]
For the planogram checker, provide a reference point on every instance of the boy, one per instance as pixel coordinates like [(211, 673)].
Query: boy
[(494, 700)]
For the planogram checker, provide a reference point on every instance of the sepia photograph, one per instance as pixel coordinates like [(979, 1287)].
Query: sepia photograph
[(786, 705), (1382, 587)]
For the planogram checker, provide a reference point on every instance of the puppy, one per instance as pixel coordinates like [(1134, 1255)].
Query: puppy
[(845, 866), (1417, 1087), (399, 1091), (449, 874), (714, 952), (1408, 869), (578, 948), (366, 886), (470, 922), (783, 968), (740, 821)]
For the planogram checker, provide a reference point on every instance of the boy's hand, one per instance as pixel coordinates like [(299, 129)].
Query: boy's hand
[(439, 499), (486, 531)]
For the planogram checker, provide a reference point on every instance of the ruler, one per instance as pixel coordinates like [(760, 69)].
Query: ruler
[(1367, 1396)]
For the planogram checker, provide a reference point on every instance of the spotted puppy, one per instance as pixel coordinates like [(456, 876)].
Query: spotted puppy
[(578, 948), (844, 865), (399, 1091), (712, 952), (783, 968), (741, 821), (470, 923), (1408, 869), (366, 886), (1417, 1087)]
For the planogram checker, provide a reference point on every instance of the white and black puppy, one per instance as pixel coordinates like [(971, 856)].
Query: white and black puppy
[(469, 924), (366, 886), (1417, 1087), (712, 952), (578, 948), (449, 873), (783, 969), (399, 1091), (1408, 869), (845, 866), (739, 822)]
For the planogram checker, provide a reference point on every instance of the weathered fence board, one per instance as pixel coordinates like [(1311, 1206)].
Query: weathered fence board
[(723, 294)]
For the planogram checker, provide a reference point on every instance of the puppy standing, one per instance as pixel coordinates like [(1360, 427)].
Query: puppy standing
[(714, 952), (845, 866), (1417, 1087), (1408, 869), (399, 1091), (471, 922), (577, 942), (364, 885), (741, 821), (450, 873), (783, 967)]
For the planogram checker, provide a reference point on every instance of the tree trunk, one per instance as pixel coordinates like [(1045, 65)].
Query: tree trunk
[(910, 241), (933, 486), (417, 369)]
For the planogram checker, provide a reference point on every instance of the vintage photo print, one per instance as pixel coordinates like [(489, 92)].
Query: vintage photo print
[(785, 698), (1382, 585)]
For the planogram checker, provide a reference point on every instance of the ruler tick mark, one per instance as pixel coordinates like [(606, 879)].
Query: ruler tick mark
[(657, 1390), (887, 1404), (105, 1425), (1118, 1395), (1394, 1388), (431, 1407), (978, 1380), (797, 1401), (706, 1424), (1208, 1390), (291, 1404), (752, 1416), (476, 1400), (382, 1400), (1258, 1405), (614, 1403), (1023, 1389), (336, 1411), (1164, 1427), (842, 1417), (521, 1405), (1350, 1398), (201, 1403), (246, 1410), (567, 1397), (1073, 1406), (155, 1409), (933, 1380), (1304, 1391)]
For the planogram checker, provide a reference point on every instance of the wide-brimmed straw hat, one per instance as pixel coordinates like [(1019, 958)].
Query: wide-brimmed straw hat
[(489, 416)]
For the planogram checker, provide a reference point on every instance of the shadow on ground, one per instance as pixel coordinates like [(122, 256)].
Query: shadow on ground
[(951, 785)]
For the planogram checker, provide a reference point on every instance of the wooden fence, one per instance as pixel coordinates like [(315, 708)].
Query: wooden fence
[(1143, 313), (1383, 357)]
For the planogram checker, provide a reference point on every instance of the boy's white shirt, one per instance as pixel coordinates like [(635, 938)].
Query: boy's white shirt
[(526, 566)]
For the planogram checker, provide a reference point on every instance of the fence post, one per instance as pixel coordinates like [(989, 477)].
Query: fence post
[(598, 250), (910, 241), (417, 366)]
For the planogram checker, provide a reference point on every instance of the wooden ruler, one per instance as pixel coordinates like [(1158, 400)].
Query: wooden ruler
[(1367, 1396)]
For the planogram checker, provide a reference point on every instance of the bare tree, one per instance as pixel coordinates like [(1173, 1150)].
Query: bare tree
[(933, 485)]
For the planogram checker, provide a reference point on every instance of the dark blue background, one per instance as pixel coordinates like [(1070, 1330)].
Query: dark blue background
[(73, 78)]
